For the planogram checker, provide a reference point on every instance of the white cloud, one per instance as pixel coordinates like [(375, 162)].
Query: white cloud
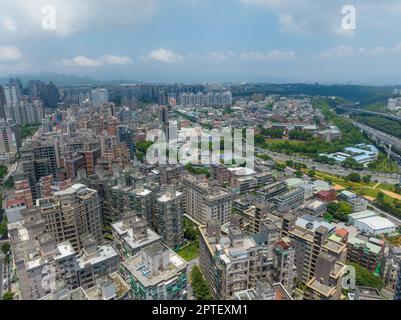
[(349, 51), (274, 55), (8, 24), (164, 55), (111, 59), (72, 15), (216, 55), (10, 53), (314, 16), (288, 24), (83, 61), (341, 51)]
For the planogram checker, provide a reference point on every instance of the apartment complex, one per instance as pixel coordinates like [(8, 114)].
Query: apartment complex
[(311, 238), (169, 216), (367, 253), (205, 200), (71, 213), (233, 262), (157, 273), (132, 234), (327, 282)]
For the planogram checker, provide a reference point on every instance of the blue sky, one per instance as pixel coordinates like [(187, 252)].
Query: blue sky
[(205, 40)]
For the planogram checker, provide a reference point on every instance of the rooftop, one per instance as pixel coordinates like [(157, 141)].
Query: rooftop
[(103, 253), (135, 264), (377, 223)]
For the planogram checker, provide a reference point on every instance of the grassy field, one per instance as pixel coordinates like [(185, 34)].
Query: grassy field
[(190, 251), (369, 190), (387, 165)]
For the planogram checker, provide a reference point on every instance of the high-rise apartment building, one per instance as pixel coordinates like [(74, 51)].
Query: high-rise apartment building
[(39, 158), (2, 103), (157, 273), (233, 262), (52, 96), (125, 135), (8, 141), (72, 213), (95, 261), (168, 216), (206, 200), (99, 97), (131, 234), (327, 281), (311, 238)]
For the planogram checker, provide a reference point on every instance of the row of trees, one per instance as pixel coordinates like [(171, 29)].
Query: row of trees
[(300, 135), (277, 133), (197, 170), (199, 285), (357, 178), (190, 231), (392, 206)]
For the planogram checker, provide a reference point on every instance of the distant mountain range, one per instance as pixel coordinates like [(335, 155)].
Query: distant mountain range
[(57, 78)]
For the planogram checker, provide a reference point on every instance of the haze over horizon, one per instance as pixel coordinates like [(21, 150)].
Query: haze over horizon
[(204, 41)]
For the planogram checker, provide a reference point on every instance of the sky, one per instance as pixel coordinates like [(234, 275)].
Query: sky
[(204, 40)]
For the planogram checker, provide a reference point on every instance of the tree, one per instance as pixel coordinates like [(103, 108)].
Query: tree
[(9, 183), (289, 163), (299, 174), (3, 171), (3, 227), (365, 278), (367, 179), (339, 210), (190, 231), (354, 177), (380, 196), (300, 135), (199, 285), (5, 248), (8, 296), (280, 166)]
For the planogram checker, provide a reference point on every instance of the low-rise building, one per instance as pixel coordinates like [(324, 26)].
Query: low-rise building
[(367, 253), (367, 293), (371, 223)]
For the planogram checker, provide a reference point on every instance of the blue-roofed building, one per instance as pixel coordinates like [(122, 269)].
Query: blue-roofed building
[(361, 153)]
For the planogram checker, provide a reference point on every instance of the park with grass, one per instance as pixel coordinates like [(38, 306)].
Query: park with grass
[(190, 250), (386, 197)]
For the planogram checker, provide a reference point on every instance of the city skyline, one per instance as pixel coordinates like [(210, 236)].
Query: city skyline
[(204, 41)]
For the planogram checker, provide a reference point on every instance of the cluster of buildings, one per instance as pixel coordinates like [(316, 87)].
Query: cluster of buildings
[(212, 99), (361, 153), (90, 219), (394, 104)]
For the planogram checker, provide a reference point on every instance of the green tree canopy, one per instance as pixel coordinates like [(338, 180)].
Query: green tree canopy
[(199, 285)]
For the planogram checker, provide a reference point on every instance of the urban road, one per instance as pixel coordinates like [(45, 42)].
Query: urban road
[(350, 108), (381, 136), (392, 178)]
